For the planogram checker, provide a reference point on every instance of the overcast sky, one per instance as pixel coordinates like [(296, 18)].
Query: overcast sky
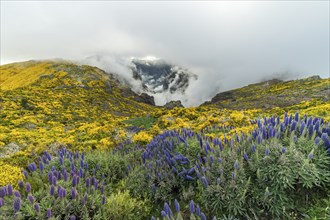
[(227, 44)]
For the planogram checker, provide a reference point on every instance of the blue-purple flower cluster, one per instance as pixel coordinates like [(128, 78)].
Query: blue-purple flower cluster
[(194, 210), (69, 184)]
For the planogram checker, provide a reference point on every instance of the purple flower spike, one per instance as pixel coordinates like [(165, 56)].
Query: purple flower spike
[(41, 166), (25, 173), (192, 206), (74, 181), (317, 141), (267, 152), (259, 139), (177, 205), (246, 157), (37, 207), (59, 190), (204, 180), (198, 210), (49, 213), (61, 193), (52, 190), (3, 192), (65, 175), (167, 209), (32, 167), (293, 126), (28, 187), (203, 217), (302, 127), (17, 204), (188, 177), (283, 150), (73, 193), (2, 202), (236, 165), (48, 155), (83, 202), (30, 198), (317, 125), (20, 184), (54, 179), (50, 176), (254, 149), (17, 194), (103, 200), (9, 190), (87, 182)]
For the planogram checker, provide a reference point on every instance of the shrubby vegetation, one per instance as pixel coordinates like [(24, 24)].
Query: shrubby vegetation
[(278, 171), (89, 151)]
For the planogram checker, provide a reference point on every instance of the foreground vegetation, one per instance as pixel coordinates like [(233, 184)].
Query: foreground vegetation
[(279, 171), (90, 150)]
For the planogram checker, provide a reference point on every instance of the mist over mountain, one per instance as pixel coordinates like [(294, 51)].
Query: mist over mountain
[(155, 76), (158, 76)]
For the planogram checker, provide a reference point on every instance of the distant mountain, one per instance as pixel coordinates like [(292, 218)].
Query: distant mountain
[(273, 93), (159, 76)]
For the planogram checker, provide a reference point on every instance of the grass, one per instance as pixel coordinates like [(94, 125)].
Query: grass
[(141, 122)]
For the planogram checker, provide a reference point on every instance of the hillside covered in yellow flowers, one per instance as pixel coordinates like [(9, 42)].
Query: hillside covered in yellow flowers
[(50, 104)]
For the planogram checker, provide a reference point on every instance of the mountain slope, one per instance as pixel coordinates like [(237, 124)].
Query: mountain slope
[(45, 102), (274, 93)]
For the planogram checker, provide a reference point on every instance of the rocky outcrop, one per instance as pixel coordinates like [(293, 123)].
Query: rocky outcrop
[(145, 98), (173, 104), (228, 95)]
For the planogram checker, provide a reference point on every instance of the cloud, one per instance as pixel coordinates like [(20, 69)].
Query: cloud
[(227, 44)]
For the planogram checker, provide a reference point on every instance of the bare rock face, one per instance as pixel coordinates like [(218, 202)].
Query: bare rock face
[(312, 78), (145, 98), (228, 95), (173, 104)]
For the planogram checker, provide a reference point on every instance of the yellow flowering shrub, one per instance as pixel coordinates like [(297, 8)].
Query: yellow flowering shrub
[(9, 174), (142, 137), (312, 107), (105, 143)]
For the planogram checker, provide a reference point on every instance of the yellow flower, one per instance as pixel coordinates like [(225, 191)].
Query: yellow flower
[(9, 174), (142, 137)]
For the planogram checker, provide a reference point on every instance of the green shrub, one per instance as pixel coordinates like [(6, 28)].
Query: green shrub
[(122, 206)]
